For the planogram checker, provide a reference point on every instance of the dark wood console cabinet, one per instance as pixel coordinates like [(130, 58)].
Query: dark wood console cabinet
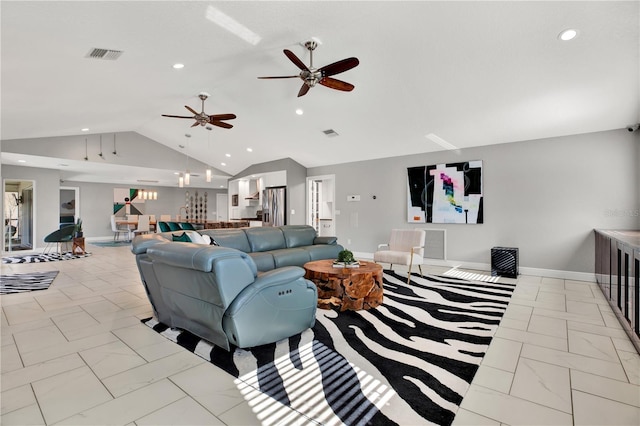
[(618, 274)]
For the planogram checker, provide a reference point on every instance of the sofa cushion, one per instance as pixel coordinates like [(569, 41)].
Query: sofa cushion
[(264, 260), (233, 238), (298, 235), (323, 251), (290, 257), (265, 238)]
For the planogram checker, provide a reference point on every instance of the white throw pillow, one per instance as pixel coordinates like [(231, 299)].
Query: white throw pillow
[(196, 237)]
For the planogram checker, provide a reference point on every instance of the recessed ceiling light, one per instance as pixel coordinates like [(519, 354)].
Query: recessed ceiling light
[(22, 161), (84, 130), (63, 165), (223, 164), (568, 34), (178, 66), (299, 111), (249, 150), (221, 186), (227, 155)]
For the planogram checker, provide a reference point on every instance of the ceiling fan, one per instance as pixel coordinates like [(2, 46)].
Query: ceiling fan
[(312, 76), (203, 119)]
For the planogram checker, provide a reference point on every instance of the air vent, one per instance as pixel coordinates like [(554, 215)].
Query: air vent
[(147, 181), (330, 133), (106, 54)]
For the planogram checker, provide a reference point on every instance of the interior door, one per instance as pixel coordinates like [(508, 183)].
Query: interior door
[(222, 207)]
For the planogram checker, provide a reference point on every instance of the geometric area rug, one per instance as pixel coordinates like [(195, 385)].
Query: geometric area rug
[(43, 257), (20, 283), (409, 361)]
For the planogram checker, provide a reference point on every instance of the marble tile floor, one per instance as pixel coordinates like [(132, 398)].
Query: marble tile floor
[(77, 354)]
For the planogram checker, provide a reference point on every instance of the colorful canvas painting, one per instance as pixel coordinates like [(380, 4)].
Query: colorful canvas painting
[(126, 202), (445, 193)]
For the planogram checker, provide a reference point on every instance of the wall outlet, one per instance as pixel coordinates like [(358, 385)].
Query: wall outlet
[(349, 241), (293, 211)]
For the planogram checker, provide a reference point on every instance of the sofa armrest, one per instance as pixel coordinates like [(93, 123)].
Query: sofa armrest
[(141, 243), (325, 240), (275, 277)]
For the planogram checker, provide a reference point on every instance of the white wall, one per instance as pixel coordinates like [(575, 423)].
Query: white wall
[(544, 197)]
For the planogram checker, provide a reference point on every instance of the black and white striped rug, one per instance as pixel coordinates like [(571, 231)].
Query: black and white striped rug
[(43, 257), (408, 362), (20, 283)]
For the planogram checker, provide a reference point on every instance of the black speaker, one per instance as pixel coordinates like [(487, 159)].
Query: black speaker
[(504, 262)]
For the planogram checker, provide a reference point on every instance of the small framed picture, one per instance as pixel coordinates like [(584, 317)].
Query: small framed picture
[(234, 200)]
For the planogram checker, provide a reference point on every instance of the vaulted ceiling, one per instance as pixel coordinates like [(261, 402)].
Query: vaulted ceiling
[(463, 73)]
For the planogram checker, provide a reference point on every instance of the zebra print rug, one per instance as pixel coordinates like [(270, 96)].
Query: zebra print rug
[(20, 283), (42, 257), (408, 362)]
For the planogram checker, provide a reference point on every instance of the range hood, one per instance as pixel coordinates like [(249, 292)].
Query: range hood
[(254, 196)]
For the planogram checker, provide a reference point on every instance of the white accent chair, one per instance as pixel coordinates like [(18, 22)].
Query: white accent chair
[(143, 225), (405, 247), (165, 217), (117, 230)]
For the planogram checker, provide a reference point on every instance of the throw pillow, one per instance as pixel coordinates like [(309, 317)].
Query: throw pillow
[(184, 238), (196, 237)]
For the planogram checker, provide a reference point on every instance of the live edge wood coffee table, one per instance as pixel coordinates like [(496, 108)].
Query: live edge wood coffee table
[(346, 288)]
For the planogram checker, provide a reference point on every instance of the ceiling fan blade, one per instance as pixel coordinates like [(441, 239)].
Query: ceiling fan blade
[(217, 117), (191, 109), (177, 116), (221, 124), (336, 84), (197, 123), (285, 76), (295, 60), (303, 90), (340, 66)]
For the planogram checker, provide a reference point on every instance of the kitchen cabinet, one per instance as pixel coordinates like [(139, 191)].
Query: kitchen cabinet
[(617, 268)]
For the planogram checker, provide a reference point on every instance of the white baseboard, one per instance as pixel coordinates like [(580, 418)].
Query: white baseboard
[(539, 272)]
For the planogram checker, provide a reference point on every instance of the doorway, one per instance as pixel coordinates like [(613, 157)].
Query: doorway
[(222, 207), (69, 205), (18, 215), (321, 212)]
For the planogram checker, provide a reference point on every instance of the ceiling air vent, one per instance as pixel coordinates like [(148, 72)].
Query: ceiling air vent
[(106, 54), (330, 133)]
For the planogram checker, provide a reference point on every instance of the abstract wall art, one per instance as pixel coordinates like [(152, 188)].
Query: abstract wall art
[(445, 193), (126, 202)]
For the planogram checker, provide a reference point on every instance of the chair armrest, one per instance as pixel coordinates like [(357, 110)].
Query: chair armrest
[(382, 245), (325, 240)]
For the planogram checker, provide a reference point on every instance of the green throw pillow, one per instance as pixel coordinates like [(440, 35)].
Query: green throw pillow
[(184, 238)]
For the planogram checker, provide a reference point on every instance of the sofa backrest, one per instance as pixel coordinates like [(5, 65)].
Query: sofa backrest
[(233, 238), (265, 238), (298, 235)]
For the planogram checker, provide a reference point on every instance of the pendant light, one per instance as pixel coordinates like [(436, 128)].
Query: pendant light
[(180, 181), (208, 171), (187, 175)]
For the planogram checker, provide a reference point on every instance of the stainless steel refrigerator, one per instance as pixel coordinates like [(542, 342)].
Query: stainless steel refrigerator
[(274, 206)]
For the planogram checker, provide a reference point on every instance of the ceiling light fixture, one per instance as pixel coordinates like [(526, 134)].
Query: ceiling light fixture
[(568, 34), (208, 171), (223, 164), (84, 130), (228, 155), (249, 150), (187, 175), (22, 161), (86, 152), (299, 111), (178, 66), (180, 181), (234, 27)]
